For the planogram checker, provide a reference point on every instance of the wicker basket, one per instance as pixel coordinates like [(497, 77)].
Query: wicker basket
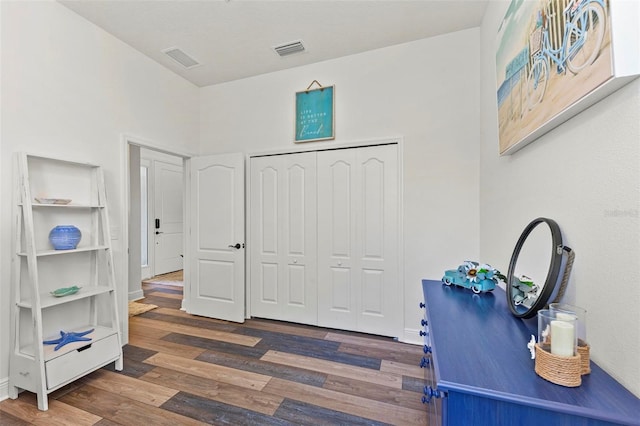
[(583, 351), (561, 370)]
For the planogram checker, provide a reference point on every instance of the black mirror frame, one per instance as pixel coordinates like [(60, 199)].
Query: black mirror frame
[(552, 275)]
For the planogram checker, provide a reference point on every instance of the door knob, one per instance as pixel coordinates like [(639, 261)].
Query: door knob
[(159, 232), (235, 246)]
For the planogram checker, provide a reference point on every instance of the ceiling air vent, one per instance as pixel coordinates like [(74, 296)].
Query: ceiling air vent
[(289, 48), (180, 57)]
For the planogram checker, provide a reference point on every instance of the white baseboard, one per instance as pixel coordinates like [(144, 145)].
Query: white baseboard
[(136, 295), (4, 388)]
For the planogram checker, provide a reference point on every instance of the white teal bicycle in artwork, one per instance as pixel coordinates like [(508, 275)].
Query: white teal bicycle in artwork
[(583, 34)]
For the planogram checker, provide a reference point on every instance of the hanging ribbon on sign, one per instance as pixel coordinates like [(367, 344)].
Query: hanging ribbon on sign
[(315, 82)]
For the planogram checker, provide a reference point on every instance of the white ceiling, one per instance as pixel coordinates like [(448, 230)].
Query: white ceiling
[(234, 39)]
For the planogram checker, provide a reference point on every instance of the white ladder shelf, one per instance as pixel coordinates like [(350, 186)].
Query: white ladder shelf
[(38, 269)]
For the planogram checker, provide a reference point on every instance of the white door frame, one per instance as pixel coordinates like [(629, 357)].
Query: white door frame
[(408, 336), (126, 142)]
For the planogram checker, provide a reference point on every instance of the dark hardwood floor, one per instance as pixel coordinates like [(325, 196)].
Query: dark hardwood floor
[(187, 370)]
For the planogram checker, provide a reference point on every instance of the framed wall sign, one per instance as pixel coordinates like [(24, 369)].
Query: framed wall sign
[(314, 114)]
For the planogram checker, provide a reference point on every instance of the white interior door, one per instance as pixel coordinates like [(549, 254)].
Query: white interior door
[(283, 237), (216, 240), (147, 236), (168, 226), (358, 240)]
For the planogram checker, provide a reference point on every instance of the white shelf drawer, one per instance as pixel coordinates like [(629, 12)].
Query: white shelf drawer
[(79, 362)]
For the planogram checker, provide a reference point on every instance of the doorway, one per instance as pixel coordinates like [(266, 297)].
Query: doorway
[(162, 206), (132, 217)]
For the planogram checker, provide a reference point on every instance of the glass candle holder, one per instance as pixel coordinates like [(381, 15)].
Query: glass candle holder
[(562, 309), (557, 334)]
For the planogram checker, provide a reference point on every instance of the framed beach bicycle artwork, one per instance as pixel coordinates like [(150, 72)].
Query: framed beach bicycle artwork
[(550, 55)]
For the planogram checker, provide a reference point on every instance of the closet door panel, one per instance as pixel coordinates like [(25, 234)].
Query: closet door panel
[(298, 234), (372, 214), (337, 283), (268, 211), (268, 290), (264, 246), (380, 309), (283, 237), (340, 199), (372, 293), (358, 244), (297, 277), (295, 222), (340, 290)]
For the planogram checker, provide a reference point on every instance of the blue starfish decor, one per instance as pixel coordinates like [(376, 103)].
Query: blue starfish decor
[(68, 338)]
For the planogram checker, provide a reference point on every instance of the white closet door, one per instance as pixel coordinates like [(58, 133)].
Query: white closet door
[(358, 286), (283, 237)]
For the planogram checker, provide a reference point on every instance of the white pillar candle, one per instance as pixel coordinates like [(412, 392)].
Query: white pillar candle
[(565, 317), (563, 338)]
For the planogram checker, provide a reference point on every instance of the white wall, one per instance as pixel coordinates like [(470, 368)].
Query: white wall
[(425, 91), (69, 89), (585, 174)]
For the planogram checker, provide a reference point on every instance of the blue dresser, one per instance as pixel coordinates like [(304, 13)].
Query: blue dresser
[(478, 370)]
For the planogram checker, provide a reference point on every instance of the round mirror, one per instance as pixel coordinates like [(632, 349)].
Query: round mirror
[(534, 268)]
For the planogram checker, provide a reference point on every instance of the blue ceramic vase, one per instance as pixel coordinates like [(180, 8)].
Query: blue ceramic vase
[(65, 237)]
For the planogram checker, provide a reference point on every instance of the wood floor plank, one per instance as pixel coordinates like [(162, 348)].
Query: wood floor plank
[(150, 393), (413, 384), (132, 367), (138, 329), (403, 369), (232, 376), (214, 412), (282, 327), (400, 397), (155, 286), (190, 320), (165, 289), (58, 393), (163, 346), (237, 339), (106, 422), (301, 413), (162, 302), (311, 347), (375, 343), (215, 345), (59, 413), (182, 314), (167, 294), (334, 368), (263, 367), (7, 419), (379, 352), (222, 392), (135, 353), (350, 404), (123, 410)]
